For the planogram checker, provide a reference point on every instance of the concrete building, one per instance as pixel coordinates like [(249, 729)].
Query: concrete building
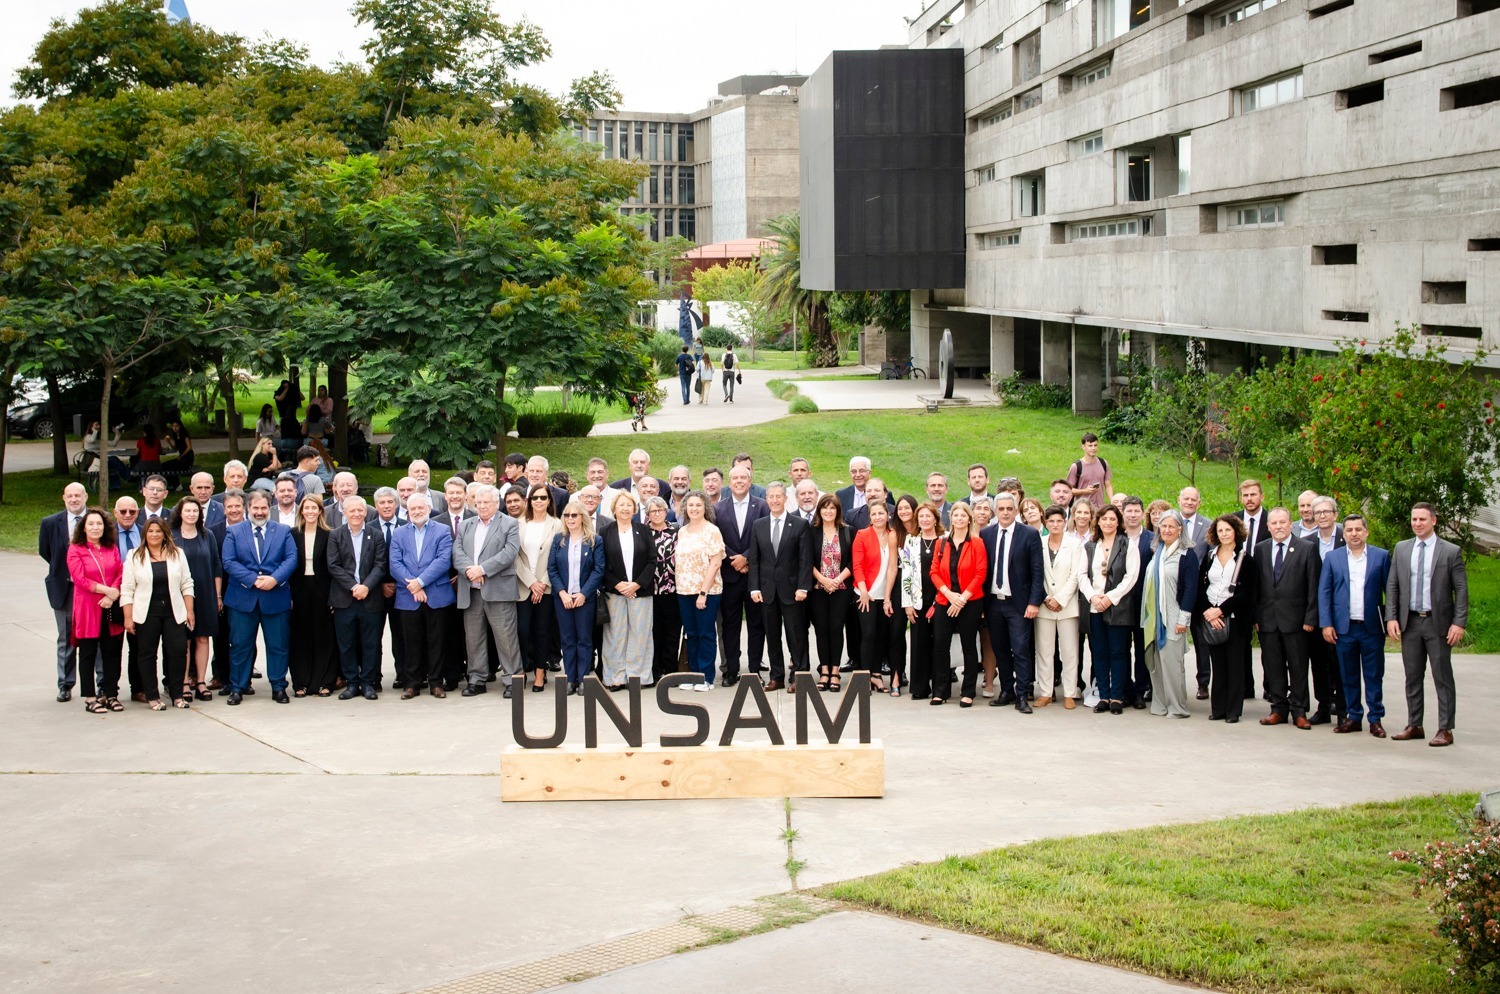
[(1251, 174), (717, 174)]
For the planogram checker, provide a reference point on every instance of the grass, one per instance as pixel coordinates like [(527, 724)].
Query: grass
[(1302, 902), (775, 359), (904, 446)]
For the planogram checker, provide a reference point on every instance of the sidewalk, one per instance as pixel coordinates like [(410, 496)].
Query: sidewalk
[(753, 404)]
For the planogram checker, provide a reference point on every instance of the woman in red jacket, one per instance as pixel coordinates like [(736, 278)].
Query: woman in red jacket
[(94, 565), (959, 566), (877, 598)]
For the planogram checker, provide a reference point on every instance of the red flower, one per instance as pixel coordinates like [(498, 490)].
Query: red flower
[(1442, 406), (1354, 467), (1247, 409), (1361, 341), (1489, 421), (1398, 395), (1335, 471), (1318, 378), (1379, 424), (1487, 404)]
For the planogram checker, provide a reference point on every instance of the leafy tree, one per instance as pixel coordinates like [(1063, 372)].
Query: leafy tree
[(122, 44), (783, 289), (744, 285), (1185, 417)]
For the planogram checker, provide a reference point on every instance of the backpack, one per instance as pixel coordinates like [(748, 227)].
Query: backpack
[(1077, 471), (728, 362)]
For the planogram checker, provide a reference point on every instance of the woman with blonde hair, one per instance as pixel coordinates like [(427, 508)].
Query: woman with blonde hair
[(156, 591), (629, 578), (575, 567), (314, 654), (699, 556)]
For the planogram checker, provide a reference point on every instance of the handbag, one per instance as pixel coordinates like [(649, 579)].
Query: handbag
[(739, 377), (601, 609), (1218, 636)]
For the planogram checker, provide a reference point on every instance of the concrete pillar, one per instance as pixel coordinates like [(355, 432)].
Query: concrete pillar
[(1055, 352), (924, 343), (1223, 357), (1002, 348), (1088, 370)]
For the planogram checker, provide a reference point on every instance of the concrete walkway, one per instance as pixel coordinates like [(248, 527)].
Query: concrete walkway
[(753, 404), (362, 846)]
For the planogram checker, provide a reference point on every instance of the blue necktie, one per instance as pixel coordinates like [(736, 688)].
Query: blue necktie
[(259, 535)]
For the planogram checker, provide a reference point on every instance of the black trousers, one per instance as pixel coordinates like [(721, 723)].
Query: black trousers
[(425, 631), (923, 634), (829, 614), (734, 607), (1327, 679), (456, 650), (398, 642), (536, 627), (1226, 692), (160, 631), (358, 633), (788, 618), (108, 648), (853, 634), (666, 635), (220, 667), (1283, 656), (133, 664), (313, 644), (966, 626), (874, 638)]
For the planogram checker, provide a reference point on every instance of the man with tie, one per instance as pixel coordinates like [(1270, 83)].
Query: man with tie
[(201, 486), (259, 557), (1351, 592), (937, 492), (807, 501), (780, 572), (52, 541), (356, 566), (153, 499), (233, 504), (420, 557), (387, 519), (1428, 597), (1194, 525), (1327, 681), (735, 515), (853, 495), (1138, 682), (484, 557), (454, 511), (1254, 517), (1012, 598), (236, 475), (1288, 570), (128, 535)]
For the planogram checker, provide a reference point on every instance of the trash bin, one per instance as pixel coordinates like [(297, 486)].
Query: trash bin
[(78, 424)]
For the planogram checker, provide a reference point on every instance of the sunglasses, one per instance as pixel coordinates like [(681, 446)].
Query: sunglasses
[(540, 498), (126, 514), (572, 515)]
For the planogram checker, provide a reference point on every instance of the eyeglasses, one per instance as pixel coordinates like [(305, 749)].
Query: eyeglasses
[(572, 515), (1326, 510)]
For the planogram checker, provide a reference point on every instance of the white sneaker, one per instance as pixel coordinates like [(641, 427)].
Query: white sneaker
[(1090, 699), (706, 686)]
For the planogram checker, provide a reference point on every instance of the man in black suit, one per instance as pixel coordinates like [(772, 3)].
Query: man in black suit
[(455, 639), (875, 493), (1287, 571), (1327, 680), (1254, 516), (736, 515), (356, 566), (345, 484), (52, 541), (853, 495), (387, 519), (1012, 596), (233, 504), (780, 573), (640, 467)]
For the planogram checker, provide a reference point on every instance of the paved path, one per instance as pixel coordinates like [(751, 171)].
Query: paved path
[(753, 404), (358, 846)]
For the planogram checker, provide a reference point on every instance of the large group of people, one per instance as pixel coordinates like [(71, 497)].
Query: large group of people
[(519, 573)]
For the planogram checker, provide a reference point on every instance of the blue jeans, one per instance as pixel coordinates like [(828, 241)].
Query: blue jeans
[(1111, 648), (699, 632), (575, 628), (687, 386), (1361, 653), (276, 629)]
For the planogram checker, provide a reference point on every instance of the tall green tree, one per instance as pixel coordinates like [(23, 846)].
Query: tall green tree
[(783, 289)]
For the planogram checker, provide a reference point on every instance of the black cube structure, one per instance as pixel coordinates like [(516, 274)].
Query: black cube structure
[(882, 138)]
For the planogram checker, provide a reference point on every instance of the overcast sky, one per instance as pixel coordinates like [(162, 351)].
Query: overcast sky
[(664, 56)]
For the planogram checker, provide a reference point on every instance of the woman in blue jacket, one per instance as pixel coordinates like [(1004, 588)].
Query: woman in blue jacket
[(575, 565)]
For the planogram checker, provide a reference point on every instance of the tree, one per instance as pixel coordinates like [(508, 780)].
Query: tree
[(1185, 416), (742, 284), (783, 289), (122, 44)]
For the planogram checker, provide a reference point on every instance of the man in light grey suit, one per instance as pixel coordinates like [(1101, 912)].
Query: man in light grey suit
[(1194, 525), (1427, 595), (484, 559)]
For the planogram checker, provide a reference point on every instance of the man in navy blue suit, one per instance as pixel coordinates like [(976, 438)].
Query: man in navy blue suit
[(736, 514), (259, 557), (1351, 591), (420, 556), (52, 545), (1012, 595)]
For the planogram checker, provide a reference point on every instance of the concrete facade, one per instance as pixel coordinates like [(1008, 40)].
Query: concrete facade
[(1256, 175)]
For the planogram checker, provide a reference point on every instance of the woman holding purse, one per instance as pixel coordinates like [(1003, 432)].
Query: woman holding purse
[(156, 590), (98, 628), (919, 594), (1226, 615)]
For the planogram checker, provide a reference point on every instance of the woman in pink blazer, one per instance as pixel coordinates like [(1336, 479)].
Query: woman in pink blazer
[(94, 564)]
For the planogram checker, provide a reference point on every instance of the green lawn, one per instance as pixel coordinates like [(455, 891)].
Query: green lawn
[(1303, 902), (904, 446), (778, 360)]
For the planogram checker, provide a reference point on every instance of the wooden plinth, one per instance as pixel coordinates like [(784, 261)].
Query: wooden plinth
[(623, 773)]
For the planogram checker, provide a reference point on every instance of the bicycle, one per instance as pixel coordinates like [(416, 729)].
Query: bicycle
[(907, 370)]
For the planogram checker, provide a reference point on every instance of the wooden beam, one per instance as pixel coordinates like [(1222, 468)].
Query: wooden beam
[(621, 773)]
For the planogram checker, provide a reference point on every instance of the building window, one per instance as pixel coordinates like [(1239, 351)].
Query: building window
[(985, 175), (991, 48), (1091, 74), (1031, 195), (1028, 100), (1029, 57), (686, 192), (1184, 164), (667, 175), (1282, 90), (1096, 230), (687, 225), (655, 186), (1266, 214), (1484, 91), (1224, 18), (1088, 145), (1113, 18), (1138, 175), (609, 139), (1001, 239), (640, 140), (684, 143), (668, 146), (994, 117), (651, 142)]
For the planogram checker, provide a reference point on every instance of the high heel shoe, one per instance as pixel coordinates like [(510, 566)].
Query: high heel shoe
[(823, 677)]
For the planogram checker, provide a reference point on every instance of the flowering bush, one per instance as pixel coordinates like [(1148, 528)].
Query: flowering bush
[(1467, 878)]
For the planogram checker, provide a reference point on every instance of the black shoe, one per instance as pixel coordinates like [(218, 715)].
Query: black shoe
[(280, 697), (225, 691), (996, 702), (350, 692), (848, 667), (729, 681), (491, 678), (256, 675), (1101, 707), (554, 667), (475, 689), (398, 684), (64, 695), (1115, 707), (234, 697), (1318, 718), (370, 694), (1006, 697), (1234, 720), (1023, 705), (1139, 704), (1202, 693), (506, 692)]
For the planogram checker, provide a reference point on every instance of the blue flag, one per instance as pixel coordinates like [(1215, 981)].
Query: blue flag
[(177, 11)]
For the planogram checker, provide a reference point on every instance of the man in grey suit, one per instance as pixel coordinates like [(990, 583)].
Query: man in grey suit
[(484, 557), (1427, 595)]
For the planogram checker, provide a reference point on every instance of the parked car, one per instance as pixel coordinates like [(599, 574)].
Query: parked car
[(31, 415)]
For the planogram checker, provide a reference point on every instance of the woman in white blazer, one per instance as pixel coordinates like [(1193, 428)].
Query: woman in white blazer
[(534, 611), (156, 592), (1057, 616)]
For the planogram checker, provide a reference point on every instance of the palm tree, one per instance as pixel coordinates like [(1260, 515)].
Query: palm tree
[(783, 288)]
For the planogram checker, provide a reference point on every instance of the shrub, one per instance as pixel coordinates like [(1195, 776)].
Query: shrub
[(802, 405), (664, 346), (576, 421), (1467, 878), (715, 337), (1123, 424), (1016, 392)]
